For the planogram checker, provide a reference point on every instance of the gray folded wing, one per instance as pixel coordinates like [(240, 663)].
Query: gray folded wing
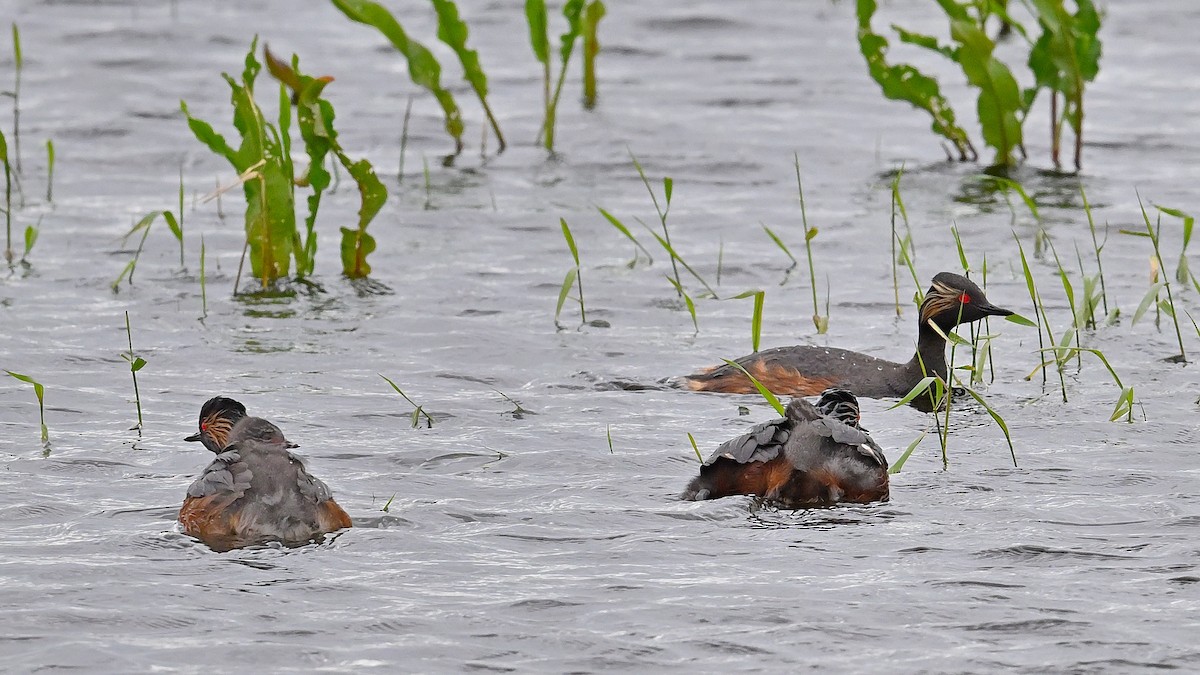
[(227, 474)]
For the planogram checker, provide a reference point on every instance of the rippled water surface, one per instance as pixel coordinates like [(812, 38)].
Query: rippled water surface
[(521, 541)]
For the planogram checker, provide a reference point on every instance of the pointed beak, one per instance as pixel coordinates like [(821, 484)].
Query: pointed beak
[(991, 310), (290, 445), (193, 438)]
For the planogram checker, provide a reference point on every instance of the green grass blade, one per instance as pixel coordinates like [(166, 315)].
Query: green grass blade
[(998, 419), (568, 283), (766, 393), (899, 463), (566, 230)]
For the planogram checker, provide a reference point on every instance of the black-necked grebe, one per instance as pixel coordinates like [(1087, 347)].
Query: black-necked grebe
[(217, 417), (808, 370)]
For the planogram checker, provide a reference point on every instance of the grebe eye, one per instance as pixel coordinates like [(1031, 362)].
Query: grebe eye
[(964, 299), (204, 426)]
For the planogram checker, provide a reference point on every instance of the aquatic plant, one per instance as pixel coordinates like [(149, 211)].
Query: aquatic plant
[(1097, 247), (265, 172), (423, 67), (687, 301), (143, 226), (573, 279), (417, 412), (1167, 306), (620, 227), (518, 411), (664, 239), (404, 140), (8, 252), (18, 64), (40, 392), (203, 285), (314, 119), (136, 363), (903, 82), (756, 318), (782, 246), (820, 322), (592, 13), (31, 237), (49, 170), (692, 440), (453, 31), (906, 254), (539, 40), (176, 224), (1064, 59)]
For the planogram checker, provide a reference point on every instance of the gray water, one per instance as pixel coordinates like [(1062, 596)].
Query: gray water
[(520, 541)]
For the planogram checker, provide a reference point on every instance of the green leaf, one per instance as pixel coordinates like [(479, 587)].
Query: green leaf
[(1147, 300), (453, 31), (668, 187), (918, 389), (756, 319), (694, 447), (1020, 320), (31, 236), (573, 12), (38, 389), (568, 283), (625, 231), (357, 244), (998, 419), (423, 67), (173, 224), (535, 16), (142, 224), (687, 299), (18, 60), (1124, 407), (592, 14), (570, 240), (779, 242), (904, 82), (899, 463), (137, 364)]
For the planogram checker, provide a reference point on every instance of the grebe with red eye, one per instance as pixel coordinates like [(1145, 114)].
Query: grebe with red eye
[(805, 370)]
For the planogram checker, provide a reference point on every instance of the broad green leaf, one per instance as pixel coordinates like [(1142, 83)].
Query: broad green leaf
[(423, 67), (453, 31), (539, 35)]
